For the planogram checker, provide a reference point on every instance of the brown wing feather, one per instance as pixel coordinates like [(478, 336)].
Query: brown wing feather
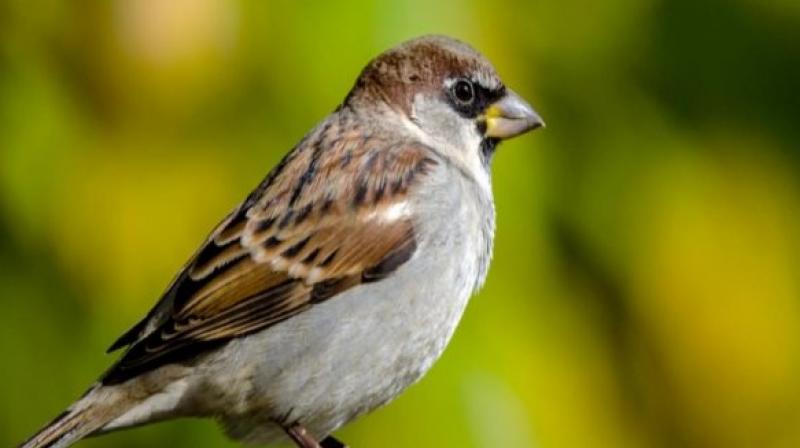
[(318, 225)]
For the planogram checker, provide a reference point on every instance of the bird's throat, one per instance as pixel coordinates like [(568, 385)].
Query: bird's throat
[(488, 147)]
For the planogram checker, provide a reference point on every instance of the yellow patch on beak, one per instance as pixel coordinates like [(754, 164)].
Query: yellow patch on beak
[(510, 116)]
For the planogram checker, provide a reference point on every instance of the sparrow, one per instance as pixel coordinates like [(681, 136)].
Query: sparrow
[(340, 279)]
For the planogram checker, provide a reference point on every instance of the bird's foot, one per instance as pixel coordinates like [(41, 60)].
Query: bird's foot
[(300, 435)]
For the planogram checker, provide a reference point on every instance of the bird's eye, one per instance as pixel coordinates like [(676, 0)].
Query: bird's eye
[(463, 91)]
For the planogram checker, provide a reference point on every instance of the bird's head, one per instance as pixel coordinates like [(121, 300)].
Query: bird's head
[(448, 91)]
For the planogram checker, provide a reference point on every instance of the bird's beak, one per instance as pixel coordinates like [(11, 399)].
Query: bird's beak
[(511, 116)]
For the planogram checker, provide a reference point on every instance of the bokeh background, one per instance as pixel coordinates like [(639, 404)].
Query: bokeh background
[(646, 285)]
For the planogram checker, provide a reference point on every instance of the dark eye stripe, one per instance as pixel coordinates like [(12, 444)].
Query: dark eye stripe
[(483, 98)]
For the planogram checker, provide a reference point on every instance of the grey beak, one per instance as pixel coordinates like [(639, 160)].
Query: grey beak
[(510, 117)]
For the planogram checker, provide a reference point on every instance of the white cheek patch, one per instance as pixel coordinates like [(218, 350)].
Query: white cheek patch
[(436, 124)]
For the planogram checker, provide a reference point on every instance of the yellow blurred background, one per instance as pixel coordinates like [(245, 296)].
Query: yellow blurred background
[(645, 290)]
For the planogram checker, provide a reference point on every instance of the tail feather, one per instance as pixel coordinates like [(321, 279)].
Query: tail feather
[(99, 406)]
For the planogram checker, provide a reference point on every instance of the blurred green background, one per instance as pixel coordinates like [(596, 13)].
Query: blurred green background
[(646, 284)]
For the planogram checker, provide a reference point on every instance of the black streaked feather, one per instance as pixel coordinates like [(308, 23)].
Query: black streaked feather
[(311, 257), (303, 214), (296, 249), (361, 193), (329, 259), (311, 170), (265, 224), (287, 219), (272, 242), (390, 263), (207, 254)]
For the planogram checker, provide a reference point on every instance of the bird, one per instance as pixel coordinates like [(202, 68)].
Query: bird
[(340, 279)]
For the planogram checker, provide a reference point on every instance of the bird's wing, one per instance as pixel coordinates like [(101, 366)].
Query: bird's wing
[(333, 214)]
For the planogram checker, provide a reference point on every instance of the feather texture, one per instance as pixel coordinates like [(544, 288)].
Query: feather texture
[(333, 214)]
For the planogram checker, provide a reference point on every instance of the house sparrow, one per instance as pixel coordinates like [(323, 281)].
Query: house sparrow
[(340, 279)]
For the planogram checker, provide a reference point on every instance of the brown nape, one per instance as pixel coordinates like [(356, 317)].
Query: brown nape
[(418, 66)]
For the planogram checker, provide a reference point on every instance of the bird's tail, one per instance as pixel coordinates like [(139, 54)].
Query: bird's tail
[(99, 406)]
